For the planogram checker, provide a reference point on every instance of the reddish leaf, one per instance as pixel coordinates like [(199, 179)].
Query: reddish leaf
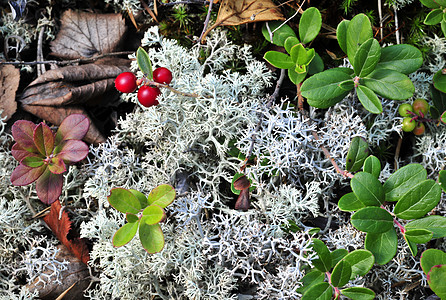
[(32, 160), (73, 151), (243, 202), (57, 166), (44, 139), (49, 186), (23, 132), (61, 227), (23, 175), (73, 127), (19, 153)]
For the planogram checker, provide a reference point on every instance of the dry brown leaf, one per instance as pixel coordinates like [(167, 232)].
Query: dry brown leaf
[(237, 12), (84, 35), (9, 82)]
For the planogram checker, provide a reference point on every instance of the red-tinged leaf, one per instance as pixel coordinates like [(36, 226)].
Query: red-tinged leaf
[(32, 160), (61, 227), (49, 186), (57, 166), (72, 151), (73, 127), (44, 139), (19, 153), (23, 175), (23, 132)]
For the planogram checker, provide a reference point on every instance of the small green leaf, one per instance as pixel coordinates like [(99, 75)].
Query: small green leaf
[(295, 77), (341, 34), (141, 198), (402, 58), (279, 60), (320, 291), (32, 160), (382, 245), (341, 273), (290, 42), (124, 201), (316, 65), (337, 255), (442, 179), (372, 165), (144, 64), (347, 85), (434, 17), (357, 153), (296, 52), (402, 180), (369, 100), (280, 35), (358, 293), (162, 195), (349, 202), (436, 279), (367, 189), (389, 84), (361, 261), (151, 237), (418, 201), (367, 57), (430, 3), (323, 263), (153, 214), (412, 246), (435, 224), (440, 80), (125, 234), (310, 279), (372, 219), (443, 117), (309, 25), (131, 218), (305, 60), (57, 165), (430, 258), (443, 25), (419, 236), (359, 30)]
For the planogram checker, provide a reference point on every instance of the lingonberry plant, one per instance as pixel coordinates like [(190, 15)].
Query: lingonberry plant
[(143, 213), (437, 15), (433, 263), (44, 155)]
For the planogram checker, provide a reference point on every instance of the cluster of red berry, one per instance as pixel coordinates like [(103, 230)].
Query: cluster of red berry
[(414, 115), (127, 83)]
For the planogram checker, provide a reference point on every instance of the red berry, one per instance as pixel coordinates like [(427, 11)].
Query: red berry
[(147, 95), (126, 82), (162, 75), (419, 129), (420, 105)]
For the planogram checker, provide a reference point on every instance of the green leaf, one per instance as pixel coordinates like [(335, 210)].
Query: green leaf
[(337, 255), (320, 291), (440, 81), (361, 261), (131, 218), (144, 63), (309, 25), (295, 77), (280, 35), (367, 57), (347, 85), (434, 17), (33, 160), (290, 42), (439, 100), (430, 3), (443, 117), (312, 278), (369, 100), (372, 219), (357, 153), (436, 280), (443, 25), (57, 165), (341, 273), (372, 165), (389, 84), (402, 180), (341, 34), (412, 246), (382, 245), (367, 189), (435, 224), (402, 58), (430, 258), (125, 234), (124, 201), (279, 60), (141, 197), (358, 293), (153, 214), (151, 237), (162, 195), (442, 179), (418, 201), (316, 65), (349, 202), (419, 236), (359, 30), (323, 263), (306, 60)]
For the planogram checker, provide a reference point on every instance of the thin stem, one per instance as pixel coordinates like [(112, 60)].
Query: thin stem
[(153, 83), (206, 22), (397, 152)]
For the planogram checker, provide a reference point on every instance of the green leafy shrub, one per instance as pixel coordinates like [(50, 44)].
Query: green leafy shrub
[(433, 263)]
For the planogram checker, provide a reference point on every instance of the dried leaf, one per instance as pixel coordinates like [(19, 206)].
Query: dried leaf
[(84, 35), (9, 82), (61, 227), (243, 202)]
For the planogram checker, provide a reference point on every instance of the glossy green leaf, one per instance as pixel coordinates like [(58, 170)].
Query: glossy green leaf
[(151, 237), (125, 234), (367, 189), (131, 218), (320, 291), (367, 57), (358, 293), (124, 201), (153, 214), (309, 25), (442, 3), (323, 263), (402, 58), (295, 77), (440, 81), (280, 35), (347, 85), (382, 245), (372, 165), (341, 273), (439, 101), (402, 180), (32, 160), (372, 219), (430, 3), (419, 236), (290, 42), (369, 100), (296, 52), (316, 65), (144, 63), (357, 153), (435, 224), (361, 261), (412, 246), (436, 279), (418, 201), (141, 198), (279, 60), (389, 84), (341, 34), (443, 117), (430, 258), (359, 30), (434, 17), (442, 179), (443, 25), (349, 202), (162, 195), (306, 60), (312, 278), (337, 255)]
